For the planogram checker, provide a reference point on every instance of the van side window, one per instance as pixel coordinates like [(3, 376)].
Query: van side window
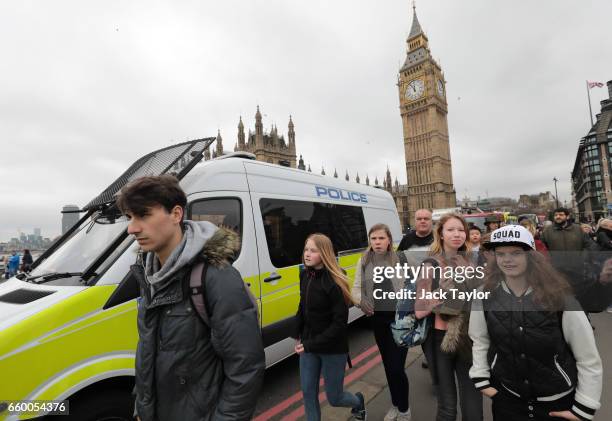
[(225, 212), (287, 224)]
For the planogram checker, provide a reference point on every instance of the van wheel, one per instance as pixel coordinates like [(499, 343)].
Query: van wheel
[(106, 405)]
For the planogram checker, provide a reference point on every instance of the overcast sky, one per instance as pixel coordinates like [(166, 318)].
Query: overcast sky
[(88, 87)]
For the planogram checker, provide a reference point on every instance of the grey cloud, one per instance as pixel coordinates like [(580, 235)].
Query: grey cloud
[(88, 88)]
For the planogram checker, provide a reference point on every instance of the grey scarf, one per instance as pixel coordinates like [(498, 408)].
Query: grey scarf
[(195, 236)]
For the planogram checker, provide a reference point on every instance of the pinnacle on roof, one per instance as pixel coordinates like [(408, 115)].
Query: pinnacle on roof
[(416, 26)]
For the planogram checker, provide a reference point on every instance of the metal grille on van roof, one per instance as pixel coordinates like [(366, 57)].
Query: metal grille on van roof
[(178, 159)]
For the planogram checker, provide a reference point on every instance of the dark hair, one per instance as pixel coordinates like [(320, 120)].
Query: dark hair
[(150, 191), (475, 228), (563, 210)]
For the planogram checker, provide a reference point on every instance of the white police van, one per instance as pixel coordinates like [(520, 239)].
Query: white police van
[(68, 329), (274, 209)]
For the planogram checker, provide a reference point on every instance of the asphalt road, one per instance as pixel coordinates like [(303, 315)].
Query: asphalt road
[(281, 397)]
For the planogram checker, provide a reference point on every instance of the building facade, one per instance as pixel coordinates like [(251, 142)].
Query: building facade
[(423, 109), (266, 146), (70, 216), (536, 203), (593, 165)]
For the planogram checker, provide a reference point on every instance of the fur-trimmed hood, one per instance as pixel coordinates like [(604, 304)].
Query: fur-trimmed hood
[(222, 248), (218, 246)]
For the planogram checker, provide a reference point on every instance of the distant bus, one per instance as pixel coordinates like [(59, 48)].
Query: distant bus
[(479, 219), (436, 214), (510, 219)]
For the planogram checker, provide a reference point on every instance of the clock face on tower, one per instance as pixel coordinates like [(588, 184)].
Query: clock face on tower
[(415, 89), (440, 88)]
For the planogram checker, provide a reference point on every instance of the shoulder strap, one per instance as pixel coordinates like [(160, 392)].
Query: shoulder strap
[(197, 287)]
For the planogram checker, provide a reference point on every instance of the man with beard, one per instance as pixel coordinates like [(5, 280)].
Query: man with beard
[(572, 253)]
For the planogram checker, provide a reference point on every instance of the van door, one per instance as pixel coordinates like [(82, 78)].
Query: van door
[(280, 264), (282, 226), (231, 209)]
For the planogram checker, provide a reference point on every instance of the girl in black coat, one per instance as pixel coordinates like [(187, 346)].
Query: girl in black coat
[(322, 320)]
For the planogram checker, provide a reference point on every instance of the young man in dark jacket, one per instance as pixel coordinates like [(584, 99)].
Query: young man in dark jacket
[(187, 369)]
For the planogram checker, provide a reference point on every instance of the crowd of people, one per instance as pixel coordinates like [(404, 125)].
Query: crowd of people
[(529, 347)]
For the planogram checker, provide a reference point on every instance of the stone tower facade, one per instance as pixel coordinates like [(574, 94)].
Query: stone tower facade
[(268, 146), (423, 108)]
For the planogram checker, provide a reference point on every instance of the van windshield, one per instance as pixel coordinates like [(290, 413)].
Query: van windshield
[(85, 245)]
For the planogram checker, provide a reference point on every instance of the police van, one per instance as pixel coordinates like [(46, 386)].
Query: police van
[(68, 329)]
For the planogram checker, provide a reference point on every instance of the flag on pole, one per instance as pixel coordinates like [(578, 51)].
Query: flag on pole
[(592, 85)]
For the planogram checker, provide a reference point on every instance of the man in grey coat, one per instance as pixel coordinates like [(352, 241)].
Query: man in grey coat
[(187, 369)]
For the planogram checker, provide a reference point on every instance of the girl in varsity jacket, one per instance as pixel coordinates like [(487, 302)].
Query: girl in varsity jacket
[(534, 352)]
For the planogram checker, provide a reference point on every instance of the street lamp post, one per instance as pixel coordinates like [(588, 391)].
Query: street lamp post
[(556, 194)]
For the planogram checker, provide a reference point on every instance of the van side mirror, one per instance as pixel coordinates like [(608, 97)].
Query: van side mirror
[(126, 290)]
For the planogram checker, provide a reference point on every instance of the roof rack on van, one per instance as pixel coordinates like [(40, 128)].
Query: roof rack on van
[(178, 159), (238, 154)]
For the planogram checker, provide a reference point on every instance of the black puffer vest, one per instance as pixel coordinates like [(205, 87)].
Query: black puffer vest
[(528, 354)]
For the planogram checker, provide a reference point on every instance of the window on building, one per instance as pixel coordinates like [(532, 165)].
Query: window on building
[(287, 224)]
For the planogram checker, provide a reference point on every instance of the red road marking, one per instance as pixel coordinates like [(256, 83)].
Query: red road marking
[(347, 380), (280, 407)]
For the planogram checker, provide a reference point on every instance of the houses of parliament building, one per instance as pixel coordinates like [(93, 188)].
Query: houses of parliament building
[(423, 110), (267, 147)]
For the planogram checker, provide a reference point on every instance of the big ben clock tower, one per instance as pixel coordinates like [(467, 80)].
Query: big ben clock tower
[(423, 107)]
